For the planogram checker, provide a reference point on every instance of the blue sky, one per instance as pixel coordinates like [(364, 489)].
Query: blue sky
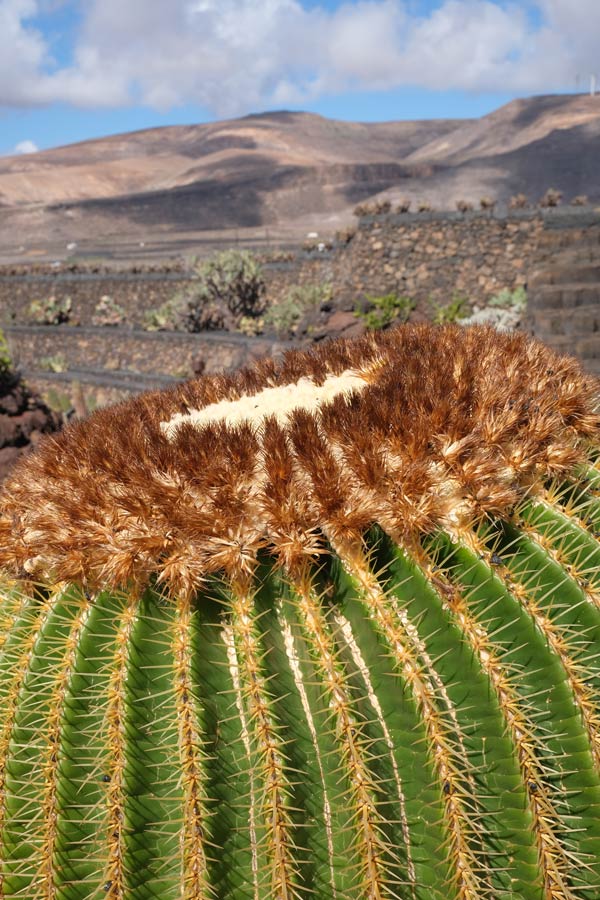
[(76, 69)]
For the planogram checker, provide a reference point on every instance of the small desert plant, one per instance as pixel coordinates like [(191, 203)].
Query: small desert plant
[(447, 313), (510, 299), (518, 201), (464, 206), (487, 203), (225, 289), (580, 200), (323, 629), (403, 206), (361, 210), (282, 317), (385, 310), (5, 358), (551, 198), (382, 207), (166, 317), (108, 312), (52, 311), (250, 326), (504, 311), (345, 235), (55, 363), (424, 206), (373, 208)]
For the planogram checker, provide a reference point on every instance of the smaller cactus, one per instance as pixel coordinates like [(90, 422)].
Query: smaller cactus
[(487, 203), (464, 206), (518, 201), (52, 311), (551, 198), (108, 312)]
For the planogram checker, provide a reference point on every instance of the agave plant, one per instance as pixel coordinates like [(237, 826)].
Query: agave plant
[(325, 628)]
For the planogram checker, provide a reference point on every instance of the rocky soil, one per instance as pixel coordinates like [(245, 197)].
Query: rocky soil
[(24, 418)]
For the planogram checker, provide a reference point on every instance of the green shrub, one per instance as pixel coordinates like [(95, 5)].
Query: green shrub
[(447, 313), (5, 358), (282, 317), (108, 312), (55, 363), (163, 318), (385, 310), (231, 280), (51, 311), (507, 299), (224, 290)]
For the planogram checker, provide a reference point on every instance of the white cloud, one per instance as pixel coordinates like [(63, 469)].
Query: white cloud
[(236, 56), (26, 147)]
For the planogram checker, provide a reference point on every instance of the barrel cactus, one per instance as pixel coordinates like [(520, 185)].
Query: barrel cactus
[(325, 628)]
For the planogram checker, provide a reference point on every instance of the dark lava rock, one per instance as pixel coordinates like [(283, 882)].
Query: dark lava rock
[(24, 419)]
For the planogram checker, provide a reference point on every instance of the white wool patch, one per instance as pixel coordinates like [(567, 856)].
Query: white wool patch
[(272, 401)]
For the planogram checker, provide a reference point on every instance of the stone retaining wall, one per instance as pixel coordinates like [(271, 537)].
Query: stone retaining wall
[(117, 349), (474, 256), (430, 257)]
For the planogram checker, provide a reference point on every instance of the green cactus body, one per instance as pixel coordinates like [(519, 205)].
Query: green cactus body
[(327, 628)]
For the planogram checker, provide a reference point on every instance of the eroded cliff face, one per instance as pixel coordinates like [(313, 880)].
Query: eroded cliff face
[(24, 418)]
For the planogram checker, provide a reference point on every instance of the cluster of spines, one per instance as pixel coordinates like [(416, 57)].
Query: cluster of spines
[(447, 424)]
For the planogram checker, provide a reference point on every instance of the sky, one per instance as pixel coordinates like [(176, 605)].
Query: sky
[(71, 70)]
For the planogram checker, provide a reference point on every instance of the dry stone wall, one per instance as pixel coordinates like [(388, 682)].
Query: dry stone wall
[(430, 257), (437, 257)]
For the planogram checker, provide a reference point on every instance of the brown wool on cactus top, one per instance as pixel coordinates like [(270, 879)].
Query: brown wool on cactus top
[(413, 428)]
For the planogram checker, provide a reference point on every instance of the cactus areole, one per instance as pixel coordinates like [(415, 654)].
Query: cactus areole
[(326, 628)]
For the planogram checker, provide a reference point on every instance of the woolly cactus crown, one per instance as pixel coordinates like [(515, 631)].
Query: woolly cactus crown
[(414, 429), (326, 629)]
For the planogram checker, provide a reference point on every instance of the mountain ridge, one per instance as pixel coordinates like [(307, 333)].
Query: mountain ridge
[(294, 170)]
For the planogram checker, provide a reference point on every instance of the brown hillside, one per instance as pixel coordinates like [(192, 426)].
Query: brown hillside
[(288, 172)]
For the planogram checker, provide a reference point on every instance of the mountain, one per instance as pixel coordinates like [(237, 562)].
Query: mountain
[(289, 172)]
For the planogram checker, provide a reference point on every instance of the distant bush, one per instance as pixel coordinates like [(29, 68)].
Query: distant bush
[(507, 299), (360, 210), (6, 370), (251, 326), (108, 312), (446, 313), (385, 310), (518, 201), (487, 203), (424, 206), (233, 279), (51, 311), (55, 363), (283, 317), (165, 317), (345, 235), (464, 206), (225, 289), (403, 206), (374, 208), (580, 200), (551, 198), (503, 311)]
